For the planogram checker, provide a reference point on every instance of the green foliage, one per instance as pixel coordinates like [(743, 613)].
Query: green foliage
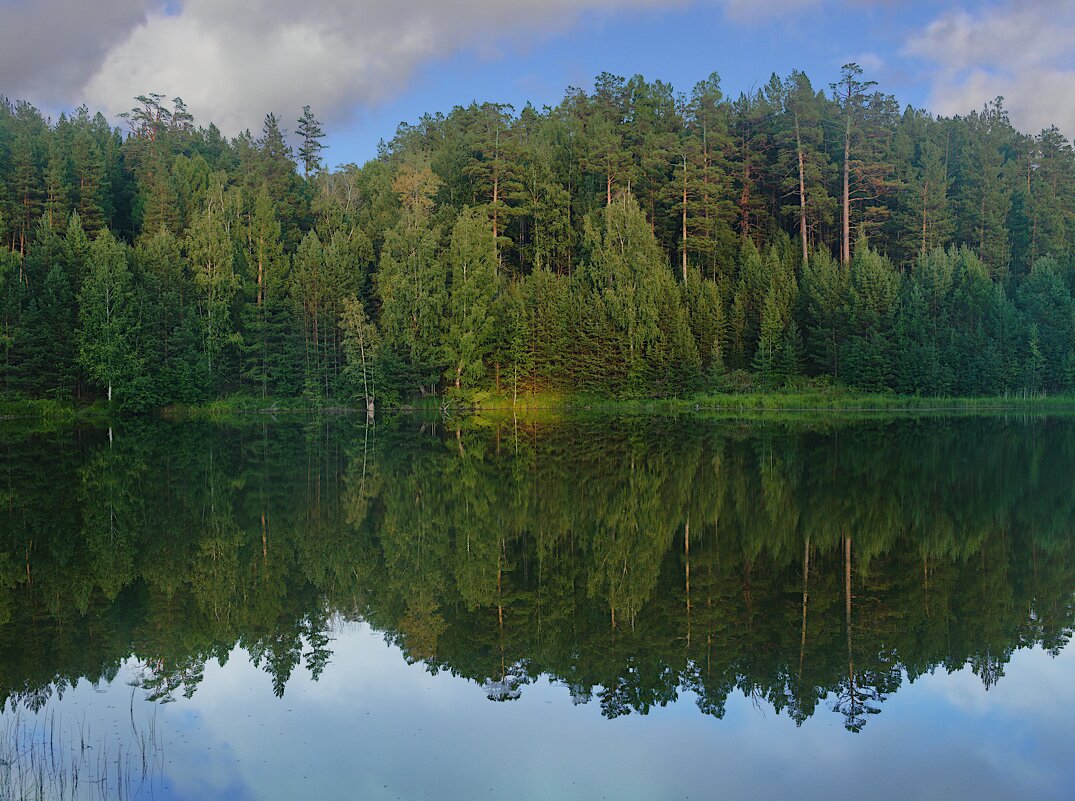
[(641, 244), (472, 291), (210, 247), (107, 323)]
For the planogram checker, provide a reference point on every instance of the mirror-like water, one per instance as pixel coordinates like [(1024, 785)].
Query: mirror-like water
[(663, 608)]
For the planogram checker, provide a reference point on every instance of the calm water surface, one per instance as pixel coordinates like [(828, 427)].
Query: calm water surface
[(636, 608)]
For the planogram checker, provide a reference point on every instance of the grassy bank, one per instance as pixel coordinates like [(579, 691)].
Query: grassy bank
[(814, 400), (21, 417), (231, 405), (50, 409), (833, 399)]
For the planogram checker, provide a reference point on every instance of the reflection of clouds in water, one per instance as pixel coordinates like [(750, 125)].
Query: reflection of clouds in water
[(1045, 688), (376, 727), (1023, 723)]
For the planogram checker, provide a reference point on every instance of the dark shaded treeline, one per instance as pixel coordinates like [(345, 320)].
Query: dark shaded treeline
[(631, 241), (628, 560)]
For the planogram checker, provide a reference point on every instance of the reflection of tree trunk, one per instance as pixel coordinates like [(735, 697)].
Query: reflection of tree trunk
[(687, 574), (500, 608), (847, 615), (925, 581), (806, 597), (264, 544), (748, 600)]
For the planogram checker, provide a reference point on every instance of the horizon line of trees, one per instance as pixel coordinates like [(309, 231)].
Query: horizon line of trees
[(631, 241)]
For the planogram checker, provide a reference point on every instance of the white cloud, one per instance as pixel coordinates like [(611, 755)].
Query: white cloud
[(872, 63), (234, 60), (1023, 51), (49, 46)]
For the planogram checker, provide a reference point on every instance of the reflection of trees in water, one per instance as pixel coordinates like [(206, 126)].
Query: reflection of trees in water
[(627, 559)]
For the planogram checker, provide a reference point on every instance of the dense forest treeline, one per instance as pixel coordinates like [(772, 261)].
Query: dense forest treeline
[(630, 241), (629, 560)]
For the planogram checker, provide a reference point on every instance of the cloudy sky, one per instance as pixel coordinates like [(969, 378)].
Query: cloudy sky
[(357, 732), (366, 65)]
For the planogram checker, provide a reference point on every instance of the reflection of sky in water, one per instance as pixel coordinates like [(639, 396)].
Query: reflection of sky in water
[(374, 727)]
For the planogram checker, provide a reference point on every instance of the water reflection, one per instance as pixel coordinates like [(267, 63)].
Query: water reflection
[(807, 567)]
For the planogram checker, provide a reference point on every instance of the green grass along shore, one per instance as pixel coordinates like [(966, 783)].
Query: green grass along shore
[(815, 400)]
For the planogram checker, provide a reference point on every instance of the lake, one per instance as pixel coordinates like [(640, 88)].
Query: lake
[(636, 607)]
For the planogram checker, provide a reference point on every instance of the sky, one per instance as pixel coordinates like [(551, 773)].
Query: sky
[(364, 66), (375, 727)]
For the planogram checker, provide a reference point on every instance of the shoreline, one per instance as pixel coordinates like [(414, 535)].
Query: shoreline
[(827, 402)]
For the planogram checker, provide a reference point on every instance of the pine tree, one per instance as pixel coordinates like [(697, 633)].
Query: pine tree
[(802, 166), (311, 133), (26, 171), (929, 222), (269, 357), (850, 93), (751, 288), (57, 180), (653, 137), (707, 214), (272, 168), (545, 232), (751, 135), (605, 154), (493, 171), (90, 176), (1050, 182), (985, 189)]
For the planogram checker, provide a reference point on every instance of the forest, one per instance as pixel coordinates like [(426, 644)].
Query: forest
[(629, 242)]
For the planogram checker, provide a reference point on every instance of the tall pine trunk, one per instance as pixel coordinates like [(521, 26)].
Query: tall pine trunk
[(845, 252), (684, 219), (802, 192)]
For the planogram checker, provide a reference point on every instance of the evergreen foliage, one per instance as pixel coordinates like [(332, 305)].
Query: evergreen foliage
[(629, 241)]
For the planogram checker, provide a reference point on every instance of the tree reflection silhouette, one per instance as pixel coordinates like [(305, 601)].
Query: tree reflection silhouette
[(628, 559)]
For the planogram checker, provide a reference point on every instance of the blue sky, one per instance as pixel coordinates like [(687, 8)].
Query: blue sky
[(678, 45), (366, 65)]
